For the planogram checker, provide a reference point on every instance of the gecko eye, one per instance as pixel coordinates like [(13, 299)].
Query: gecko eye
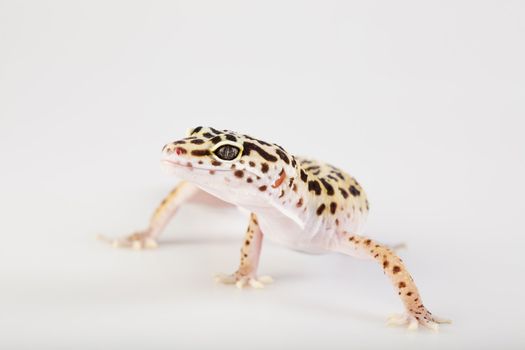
[(227, 152)]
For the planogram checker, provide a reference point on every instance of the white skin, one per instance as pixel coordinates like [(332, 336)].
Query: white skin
[(301, 203)]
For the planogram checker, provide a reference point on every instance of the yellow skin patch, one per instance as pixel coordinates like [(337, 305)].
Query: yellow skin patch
[(303, 203)]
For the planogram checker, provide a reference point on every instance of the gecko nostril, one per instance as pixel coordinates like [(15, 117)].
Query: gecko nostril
[(180, 150)]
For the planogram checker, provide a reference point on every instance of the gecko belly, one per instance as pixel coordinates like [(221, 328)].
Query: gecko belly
[(287, 232)]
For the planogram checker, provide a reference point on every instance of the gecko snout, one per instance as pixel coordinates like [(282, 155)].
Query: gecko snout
[(172, 149)]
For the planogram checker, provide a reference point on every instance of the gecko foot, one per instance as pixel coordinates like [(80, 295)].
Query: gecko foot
[(413, 321), (242, 281), (397, 247), (137, 241)]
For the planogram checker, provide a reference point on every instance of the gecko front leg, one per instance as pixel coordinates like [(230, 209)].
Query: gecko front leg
[(147, 238), (394, 268), (250, 253)]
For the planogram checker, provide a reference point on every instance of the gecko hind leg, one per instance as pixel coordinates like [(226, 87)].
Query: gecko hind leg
[(246, 274), (147, 238), (415, 312)]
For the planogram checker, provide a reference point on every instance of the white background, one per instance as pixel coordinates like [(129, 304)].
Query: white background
[(422, 101)]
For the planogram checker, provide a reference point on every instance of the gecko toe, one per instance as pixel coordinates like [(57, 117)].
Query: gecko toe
[(242, 281), (137, 241), (266, 279), (396, 320), (255, 283), (412, 322), (226, 279)]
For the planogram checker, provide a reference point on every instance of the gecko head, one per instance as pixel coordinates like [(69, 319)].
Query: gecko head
[(210, 156)]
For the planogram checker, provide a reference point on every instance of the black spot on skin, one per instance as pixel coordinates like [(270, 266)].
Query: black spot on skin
[(329, 188), (294, 162), (181, 142), (396, 269), (264, 167), (197, 141), (252, 164), (283, 156), (262, 188), (321, 209), (231, 138), (304, 176), (331, 177), (368, 241), (402, 285), (263, 142), (343, 193), (276, 145), (339, 175), (282, 194), (216, 163), (249, 180), (354, 191), (212, 172), (215, 131), (239, 173), (299, 203), (290, 183), (385, 264), (249, 147), (196, 130), (207, 135), (314, 186), (260, 141), (333, 207), (409, 293), (313, 167), (200, 152), (216, 140)]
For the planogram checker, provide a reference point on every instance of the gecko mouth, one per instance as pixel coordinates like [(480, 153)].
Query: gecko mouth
[(187, 165)]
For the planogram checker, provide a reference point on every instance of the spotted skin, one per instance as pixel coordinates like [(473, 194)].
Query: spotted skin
[(299, 202)]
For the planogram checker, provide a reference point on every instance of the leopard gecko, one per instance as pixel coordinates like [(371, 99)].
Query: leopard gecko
[(298, 202)]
